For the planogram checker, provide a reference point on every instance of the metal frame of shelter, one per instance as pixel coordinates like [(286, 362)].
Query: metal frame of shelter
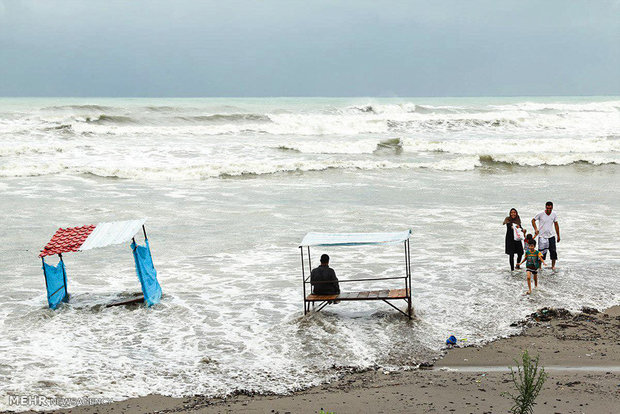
[(74, 239), (357, 239)]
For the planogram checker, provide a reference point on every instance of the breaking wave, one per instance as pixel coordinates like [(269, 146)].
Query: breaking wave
[(110, 119), (403, 119), (488, 146), (393, 145), (227, 118), (194, 139), (538, 160), (201, 171), (453, 124), (88, 107), (62, 128)]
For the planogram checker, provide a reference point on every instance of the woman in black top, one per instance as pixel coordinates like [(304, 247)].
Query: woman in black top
[(513, 246)]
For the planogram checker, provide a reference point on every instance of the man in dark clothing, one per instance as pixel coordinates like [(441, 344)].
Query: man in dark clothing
[(324, 273)]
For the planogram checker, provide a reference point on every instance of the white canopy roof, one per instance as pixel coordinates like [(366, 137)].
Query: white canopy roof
[(114, 232), (351, 239)]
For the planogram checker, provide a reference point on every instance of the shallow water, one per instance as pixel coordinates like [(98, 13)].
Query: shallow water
[(230, 197)]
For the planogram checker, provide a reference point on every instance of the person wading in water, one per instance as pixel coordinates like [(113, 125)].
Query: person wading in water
[(513, 246)]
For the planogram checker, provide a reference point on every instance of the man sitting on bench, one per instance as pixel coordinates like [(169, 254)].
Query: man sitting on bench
[(323, 274)]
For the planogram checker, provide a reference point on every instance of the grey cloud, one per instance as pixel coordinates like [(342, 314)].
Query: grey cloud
[(317, 48)]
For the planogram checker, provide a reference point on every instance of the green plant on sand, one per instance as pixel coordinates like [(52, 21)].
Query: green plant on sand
[(528, 381)]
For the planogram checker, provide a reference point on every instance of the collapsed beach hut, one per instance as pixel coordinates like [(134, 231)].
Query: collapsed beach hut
[(78, 239), (357, 239)]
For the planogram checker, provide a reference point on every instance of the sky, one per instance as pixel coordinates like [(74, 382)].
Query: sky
[(189, 48)]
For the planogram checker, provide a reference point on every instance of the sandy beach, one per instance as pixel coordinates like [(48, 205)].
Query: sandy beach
[(580, 352)]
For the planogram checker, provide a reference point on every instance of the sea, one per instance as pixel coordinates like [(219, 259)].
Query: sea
[(231, 186)]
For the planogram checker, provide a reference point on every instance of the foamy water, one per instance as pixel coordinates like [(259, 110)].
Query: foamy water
[(230, 187)]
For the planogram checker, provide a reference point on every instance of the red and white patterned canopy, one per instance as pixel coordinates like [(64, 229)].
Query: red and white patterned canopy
[(73, 239)]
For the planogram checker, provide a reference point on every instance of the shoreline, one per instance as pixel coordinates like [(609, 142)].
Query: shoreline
[(580, 352)]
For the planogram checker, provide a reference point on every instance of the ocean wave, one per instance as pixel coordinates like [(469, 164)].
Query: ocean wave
[(552, 160), (459, 124), (393, 145), (17, 150), (62, 128), (491, 146), (360, 146), (230, 169), (575, 107), (412, 108), (319, 125), (86, 107), (165, 108), (523, 119), (200, 171), (110, 119), (227, 118), (367, 109), (288, 149), (431, 109), (482, 146)]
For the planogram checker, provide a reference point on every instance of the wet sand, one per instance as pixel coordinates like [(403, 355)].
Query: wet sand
[(580, 352)]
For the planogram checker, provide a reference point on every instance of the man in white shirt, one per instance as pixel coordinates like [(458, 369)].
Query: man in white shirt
[(547, 221)]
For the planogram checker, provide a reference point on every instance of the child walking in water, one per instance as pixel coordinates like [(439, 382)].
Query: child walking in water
[(533, 258)]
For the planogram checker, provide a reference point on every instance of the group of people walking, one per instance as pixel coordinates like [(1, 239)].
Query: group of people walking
[(516, 236)]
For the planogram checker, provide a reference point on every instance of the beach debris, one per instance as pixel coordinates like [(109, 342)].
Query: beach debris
[(547, 314), (451, 340), (589, 311), (426, 365)]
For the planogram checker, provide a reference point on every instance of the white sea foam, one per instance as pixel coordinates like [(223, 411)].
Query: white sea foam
[(230, 318), (131, 170)]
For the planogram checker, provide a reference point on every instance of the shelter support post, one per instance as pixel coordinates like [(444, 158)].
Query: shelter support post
[(64, 278), (409, 290), (44, 274), (310, 273), (303, 278)]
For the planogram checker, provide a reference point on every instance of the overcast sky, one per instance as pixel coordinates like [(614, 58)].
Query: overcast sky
[(309, 48)]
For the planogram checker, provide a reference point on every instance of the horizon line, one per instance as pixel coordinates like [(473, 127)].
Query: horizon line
[(304, 96)]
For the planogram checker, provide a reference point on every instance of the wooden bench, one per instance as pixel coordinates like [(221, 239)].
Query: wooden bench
[(126, 302), (385, 295), (366, 295)]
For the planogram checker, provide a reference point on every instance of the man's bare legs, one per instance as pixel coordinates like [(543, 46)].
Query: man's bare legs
[(553, 264)]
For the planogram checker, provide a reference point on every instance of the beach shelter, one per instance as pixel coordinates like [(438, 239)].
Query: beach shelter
[(78, 239), (358, 239)]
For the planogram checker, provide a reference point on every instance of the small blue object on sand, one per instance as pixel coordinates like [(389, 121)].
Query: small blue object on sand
[(451, 340)]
